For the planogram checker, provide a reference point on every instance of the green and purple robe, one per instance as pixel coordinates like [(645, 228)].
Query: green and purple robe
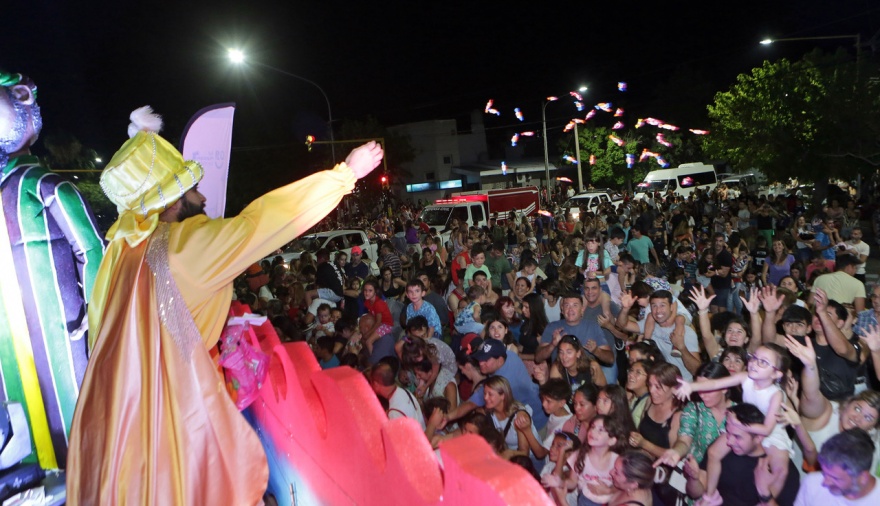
[(50, 250)]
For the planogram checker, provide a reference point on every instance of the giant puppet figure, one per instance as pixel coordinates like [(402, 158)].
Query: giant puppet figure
[(154, 423), (50, 249)]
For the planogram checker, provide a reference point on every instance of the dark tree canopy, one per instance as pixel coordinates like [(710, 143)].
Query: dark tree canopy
[(808, 119)]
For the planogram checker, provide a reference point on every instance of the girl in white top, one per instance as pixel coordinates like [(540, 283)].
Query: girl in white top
[(760, 385), (592, 464)]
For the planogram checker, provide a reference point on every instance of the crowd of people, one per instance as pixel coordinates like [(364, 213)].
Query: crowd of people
[(661, 351)]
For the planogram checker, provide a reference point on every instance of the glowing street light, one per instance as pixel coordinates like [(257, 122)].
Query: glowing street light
[(237, 57)]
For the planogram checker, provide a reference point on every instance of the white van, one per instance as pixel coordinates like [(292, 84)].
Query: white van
[(681, 180)]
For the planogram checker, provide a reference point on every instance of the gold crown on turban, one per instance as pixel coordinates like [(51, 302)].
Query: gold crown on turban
[(148, 174)]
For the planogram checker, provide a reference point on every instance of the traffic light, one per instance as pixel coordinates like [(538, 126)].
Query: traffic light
[(309, 140), (383, 179)]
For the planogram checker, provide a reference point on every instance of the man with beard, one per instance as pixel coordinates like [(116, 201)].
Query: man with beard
[(50, 249), (154, 423), (682, 352), (573, 322), (746, 478), (846, 477)]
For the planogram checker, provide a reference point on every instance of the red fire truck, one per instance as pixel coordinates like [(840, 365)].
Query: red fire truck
[(477, 207)]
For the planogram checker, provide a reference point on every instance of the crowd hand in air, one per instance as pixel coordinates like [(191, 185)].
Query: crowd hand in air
[(820, 300), (804, 352), (872, 338), (754, 303), (791, 386), (627, 300), (698, 295), (363, 159), (788, 415), (769, 299), (540, 374)]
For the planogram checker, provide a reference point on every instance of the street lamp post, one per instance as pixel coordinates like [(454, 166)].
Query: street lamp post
[(237, 56), (577, 156), (546, 156)]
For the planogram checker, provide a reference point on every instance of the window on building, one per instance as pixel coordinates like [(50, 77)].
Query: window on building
[(447, 160), (429, 176)]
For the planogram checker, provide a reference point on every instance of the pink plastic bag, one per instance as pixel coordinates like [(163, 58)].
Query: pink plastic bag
[(245, 367)]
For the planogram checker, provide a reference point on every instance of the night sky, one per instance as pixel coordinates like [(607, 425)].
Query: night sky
[(94, 62)]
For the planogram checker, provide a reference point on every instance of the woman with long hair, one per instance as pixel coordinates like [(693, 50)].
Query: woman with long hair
[(574, 366), (632, 477), (506, 310), (430, 262), (391, 287), (550, 291), (496, 328), (503, 409), (778, 264), (703, 420), (533, 325), (637, 388), (658, 429)]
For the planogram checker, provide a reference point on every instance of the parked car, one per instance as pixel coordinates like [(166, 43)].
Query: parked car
[(333, 240), (590, 201)]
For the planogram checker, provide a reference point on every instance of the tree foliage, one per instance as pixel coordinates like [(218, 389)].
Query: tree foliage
[(806, 119)]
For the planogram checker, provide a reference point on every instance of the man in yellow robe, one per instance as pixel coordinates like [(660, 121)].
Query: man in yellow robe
[(154, 423)]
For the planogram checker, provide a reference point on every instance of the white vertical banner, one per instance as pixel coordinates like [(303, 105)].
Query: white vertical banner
[(207, 139)]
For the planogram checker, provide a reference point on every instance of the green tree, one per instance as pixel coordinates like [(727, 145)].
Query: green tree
[(807, 119), (66, 153)]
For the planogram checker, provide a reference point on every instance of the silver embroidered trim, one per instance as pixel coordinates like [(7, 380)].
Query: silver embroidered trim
[(144, 182), (179, 185), (191, 173), (173, 312), (162, 197), (143, 207)]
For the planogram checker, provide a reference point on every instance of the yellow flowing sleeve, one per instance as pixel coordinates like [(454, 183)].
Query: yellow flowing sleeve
[(206, 255)]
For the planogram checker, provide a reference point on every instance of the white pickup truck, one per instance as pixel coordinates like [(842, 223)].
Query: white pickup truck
[(333, 240)]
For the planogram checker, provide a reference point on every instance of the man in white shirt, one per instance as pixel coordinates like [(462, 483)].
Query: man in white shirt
[(743, 216), (401, 403), (846, 477), (841, 285), (858, 248)]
